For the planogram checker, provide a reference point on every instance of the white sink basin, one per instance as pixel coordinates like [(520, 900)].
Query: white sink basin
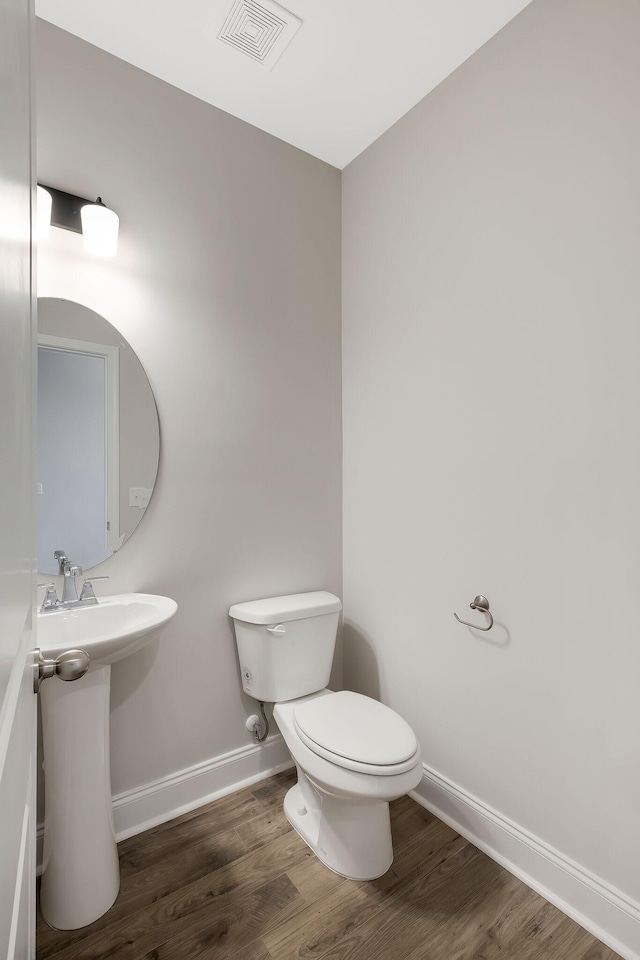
[(113, 628)]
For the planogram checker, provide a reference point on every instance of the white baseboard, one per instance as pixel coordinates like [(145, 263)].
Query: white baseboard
[(154, 803), (145, 807), (605, 912)]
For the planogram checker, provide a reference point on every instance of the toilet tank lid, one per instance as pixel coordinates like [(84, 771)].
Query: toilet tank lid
[(295, 606)]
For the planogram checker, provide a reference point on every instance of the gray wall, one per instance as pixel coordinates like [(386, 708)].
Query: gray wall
[(491, 397), (227, 286)]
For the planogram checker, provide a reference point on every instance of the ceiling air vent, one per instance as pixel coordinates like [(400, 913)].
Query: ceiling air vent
[(260, 30)]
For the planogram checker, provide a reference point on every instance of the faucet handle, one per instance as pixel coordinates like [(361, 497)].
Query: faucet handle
[(75, 570), (50, 597), (87, 588)]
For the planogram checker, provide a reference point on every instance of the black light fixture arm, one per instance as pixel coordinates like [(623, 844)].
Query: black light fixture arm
[(65, 208)]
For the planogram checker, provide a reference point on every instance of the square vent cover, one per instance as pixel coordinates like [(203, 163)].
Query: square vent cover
[(260, 29)]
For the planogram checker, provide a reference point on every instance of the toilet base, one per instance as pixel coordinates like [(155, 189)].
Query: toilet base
[(353, 839)]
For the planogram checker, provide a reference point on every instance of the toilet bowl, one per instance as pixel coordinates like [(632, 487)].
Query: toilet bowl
[(353, 754), (340, 804)]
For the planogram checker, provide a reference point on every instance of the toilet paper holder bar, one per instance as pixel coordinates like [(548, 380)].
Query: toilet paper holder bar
[(479, 603)]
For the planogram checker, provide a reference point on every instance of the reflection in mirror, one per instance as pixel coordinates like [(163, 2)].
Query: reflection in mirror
[(98, 436)]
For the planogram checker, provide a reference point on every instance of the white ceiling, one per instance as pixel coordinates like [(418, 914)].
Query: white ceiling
[(351, 70)]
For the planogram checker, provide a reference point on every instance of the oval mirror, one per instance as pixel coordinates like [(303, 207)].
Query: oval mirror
[(98, 436)]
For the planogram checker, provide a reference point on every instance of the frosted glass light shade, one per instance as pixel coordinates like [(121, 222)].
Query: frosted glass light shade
[(99, 229), (43, 213)]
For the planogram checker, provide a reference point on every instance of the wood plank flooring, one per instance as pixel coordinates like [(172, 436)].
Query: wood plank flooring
[(233, 880)]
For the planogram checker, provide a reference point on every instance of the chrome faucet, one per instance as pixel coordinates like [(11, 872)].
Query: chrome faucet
[(70, 571)]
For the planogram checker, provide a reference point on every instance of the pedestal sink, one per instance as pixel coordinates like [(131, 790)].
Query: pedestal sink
[(80, 874)]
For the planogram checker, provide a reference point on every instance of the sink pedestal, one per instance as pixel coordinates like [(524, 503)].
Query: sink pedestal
[(80, 873)]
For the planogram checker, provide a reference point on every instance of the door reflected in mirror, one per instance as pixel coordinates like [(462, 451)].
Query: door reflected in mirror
[(98, 436)]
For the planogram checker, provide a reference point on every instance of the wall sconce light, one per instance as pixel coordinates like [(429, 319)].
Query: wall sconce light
[(95, 221)]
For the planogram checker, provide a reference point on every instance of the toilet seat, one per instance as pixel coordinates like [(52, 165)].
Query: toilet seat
[(358, 733)]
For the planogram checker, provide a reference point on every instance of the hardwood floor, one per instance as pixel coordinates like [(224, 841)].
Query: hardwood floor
[(233, 880)]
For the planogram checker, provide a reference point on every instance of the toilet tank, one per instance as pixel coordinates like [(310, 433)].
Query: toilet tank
[(286, 644)]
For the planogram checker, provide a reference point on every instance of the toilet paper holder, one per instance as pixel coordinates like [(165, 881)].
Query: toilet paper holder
[(479, 603)]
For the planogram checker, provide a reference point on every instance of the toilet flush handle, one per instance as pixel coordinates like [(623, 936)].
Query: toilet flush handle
[(277, 629)]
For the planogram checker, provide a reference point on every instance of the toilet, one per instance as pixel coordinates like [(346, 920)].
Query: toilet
[(353, 754)]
